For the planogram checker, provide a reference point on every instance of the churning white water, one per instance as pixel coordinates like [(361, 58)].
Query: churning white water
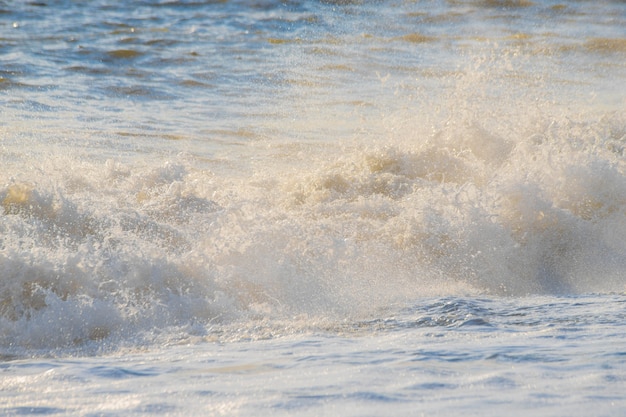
[(312, 208)]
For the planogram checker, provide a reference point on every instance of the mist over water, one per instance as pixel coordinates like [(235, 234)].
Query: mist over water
[(182, 171)]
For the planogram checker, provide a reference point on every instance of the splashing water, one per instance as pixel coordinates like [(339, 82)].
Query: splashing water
[(349, 171)]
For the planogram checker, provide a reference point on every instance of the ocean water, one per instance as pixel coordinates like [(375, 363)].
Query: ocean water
[(355, 208)]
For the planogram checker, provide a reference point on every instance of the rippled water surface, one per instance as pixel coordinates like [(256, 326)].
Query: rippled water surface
[(312, 207), (447, 356)]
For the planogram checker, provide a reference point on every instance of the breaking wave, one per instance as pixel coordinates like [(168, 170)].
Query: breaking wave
[(92, 251)]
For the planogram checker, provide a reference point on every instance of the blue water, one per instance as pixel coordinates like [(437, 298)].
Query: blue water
[(446, 356), (312, 208)]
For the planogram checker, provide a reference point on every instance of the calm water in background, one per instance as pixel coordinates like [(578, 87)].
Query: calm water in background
[(312, 208)]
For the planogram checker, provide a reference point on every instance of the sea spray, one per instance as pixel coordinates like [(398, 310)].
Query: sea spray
[(349, 164), (121, 249)]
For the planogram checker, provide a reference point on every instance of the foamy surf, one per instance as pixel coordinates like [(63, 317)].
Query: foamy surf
[(114, 250)]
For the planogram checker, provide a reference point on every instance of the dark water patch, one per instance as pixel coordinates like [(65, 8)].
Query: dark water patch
[(118, 25), (606, 45), (174, 61), (188, 4), (373, 396), (474, 322), (342, 2), (38, 107), (114, 372), (446, 313), (9, 82), (444, 356), (205, 393), (194, 84), (560, 9), (5, 83), (161, 42), (309, 400), (89, 70), (525, 357), (8, 357), (29, 411), (506, 4), (612, 378), (432, 386), (415, 38), (137, 91), (124, 54), (282, 41), (453, 313)]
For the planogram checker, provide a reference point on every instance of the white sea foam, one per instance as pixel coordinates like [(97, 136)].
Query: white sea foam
[(97, 250)]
